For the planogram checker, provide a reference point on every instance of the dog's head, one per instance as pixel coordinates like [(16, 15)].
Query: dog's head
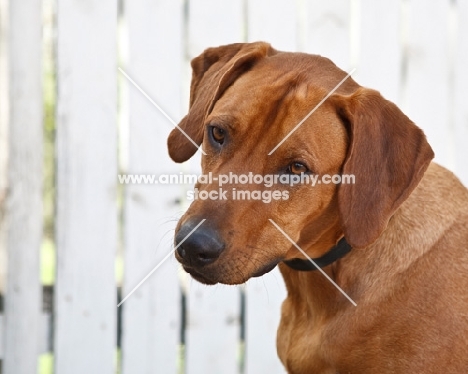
[(245, 100)]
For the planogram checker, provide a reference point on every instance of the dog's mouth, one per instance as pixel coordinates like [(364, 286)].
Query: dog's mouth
[(200, 277), (266, 268), (207, 277)]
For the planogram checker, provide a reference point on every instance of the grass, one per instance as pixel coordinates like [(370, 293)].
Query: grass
[(46, 363), (48, 262)]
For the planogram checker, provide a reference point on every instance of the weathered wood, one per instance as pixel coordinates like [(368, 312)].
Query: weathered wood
[(427, 81), (151, 316), (212, 23), (213, 329), (328, 30), (3, 139), (460, 81), (44, 336), (274, 22), (86, 224), (264, 297), (24, 199), (213, 336), (2, 324), (380, 49)]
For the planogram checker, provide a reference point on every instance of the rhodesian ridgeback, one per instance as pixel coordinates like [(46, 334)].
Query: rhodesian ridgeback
[(394, 241)]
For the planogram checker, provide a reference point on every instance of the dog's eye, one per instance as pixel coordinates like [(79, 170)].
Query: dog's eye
[(217, 134), (297, 168)]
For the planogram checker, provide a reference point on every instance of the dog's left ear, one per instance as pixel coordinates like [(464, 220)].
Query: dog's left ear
[(212, 73), (388, 155)]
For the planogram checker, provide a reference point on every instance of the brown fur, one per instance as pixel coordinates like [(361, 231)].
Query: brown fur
[(406, 218)]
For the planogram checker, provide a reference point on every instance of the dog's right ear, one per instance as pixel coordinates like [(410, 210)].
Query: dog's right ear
[(388, 155), (212, 73)]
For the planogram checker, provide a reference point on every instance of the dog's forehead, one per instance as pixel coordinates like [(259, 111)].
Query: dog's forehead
[(313, 70), (266, 103), (285, 79), (286, 85)]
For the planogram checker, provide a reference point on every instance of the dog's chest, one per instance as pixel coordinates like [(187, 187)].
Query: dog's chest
[(299, 342)]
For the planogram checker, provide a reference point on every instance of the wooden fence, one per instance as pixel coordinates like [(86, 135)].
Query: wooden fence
[(414, 51)]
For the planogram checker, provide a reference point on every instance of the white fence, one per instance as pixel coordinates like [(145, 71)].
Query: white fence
[(414, 51)]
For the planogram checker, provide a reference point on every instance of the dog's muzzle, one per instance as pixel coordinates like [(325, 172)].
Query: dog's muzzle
[(201, 248)]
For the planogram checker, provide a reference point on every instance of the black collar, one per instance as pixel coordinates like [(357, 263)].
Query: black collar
[(335, 253)]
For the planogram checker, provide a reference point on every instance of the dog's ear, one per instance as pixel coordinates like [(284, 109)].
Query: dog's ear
[(212, 73), (388, 155)]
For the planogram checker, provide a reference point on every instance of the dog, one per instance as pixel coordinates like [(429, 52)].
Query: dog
[(394, 241)]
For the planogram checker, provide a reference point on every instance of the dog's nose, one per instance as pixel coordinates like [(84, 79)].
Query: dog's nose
[(201, 248)]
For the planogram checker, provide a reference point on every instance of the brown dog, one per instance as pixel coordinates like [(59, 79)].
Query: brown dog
[(406, 219)]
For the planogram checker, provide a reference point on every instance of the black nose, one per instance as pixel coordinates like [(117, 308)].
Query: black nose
[(202, 247)]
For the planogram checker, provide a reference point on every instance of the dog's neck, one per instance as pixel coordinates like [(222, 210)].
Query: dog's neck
[(381, 257), (341, 249), (311, 288)]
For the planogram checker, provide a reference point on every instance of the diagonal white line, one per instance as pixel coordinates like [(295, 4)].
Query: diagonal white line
[(160, 109), (312, 111), (312, 261), (160, 263)]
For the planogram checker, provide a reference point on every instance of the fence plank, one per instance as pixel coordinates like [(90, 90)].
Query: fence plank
[(2, 325), (460, 80), (264, 297), (151, 323), (86, 224), (212, 23), (380, 26), (328, 30), (213, 313), (427, 85), (278, 27), (44, 335), (3, 141), (24, 201), (213, 329)]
